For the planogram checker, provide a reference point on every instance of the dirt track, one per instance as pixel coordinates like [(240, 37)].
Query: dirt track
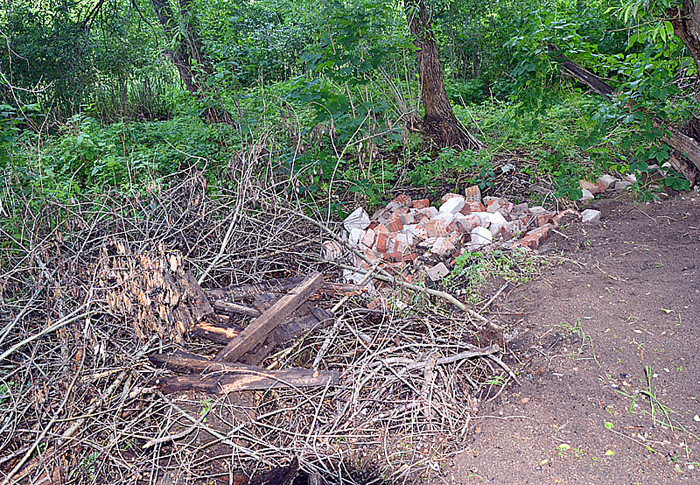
[(624, 304)]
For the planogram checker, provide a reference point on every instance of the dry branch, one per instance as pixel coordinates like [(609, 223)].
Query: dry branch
[(219, 377)]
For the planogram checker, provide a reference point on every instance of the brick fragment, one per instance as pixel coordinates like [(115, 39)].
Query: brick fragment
[(382, 242), (369, 238), (473, 193), (475, 206), (421, 204), (402, 200), (399, 257), (449, 196), (436, 228), (395, 225), (597, 188)]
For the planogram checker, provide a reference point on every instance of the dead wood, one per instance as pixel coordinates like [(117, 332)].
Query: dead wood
[(276, 286), (220, 377), (257, 330), (673, 137), (226, 307)]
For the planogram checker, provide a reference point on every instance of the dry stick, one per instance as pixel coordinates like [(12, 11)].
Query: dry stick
[(488, 303), (46, 429), (181, 434), (430, 291), (224, 243), (61, 323), (19, 316)]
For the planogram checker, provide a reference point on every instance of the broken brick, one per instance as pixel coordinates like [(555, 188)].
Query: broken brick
[(402, 200), (421, 204), (399, 257), (449, 196), (395, 225), (368, 239), (436, 228), (475, 206), (382, 242)]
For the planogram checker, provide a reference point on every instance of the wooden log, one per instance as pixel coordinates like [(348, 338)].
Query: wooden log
[(675, 138), (221, 377), (258, 329)]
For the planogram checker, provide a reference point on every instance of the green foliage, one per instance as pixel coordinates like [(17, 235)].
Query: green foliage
[(472, 270), (452, 168)]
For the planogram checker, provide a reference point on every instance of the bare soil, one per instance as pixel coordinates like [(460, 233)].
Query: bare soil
[(619, 306)]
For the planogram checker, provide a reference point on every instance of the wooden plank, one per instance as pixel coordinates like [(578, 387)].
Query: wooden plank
[(258, 329)]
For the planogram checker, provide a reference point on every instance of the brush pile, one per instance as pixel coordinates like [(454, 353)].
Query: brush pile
[(99, 300)]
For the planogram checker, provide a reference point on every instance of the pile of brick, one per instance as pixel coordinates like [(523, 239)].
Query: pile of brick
[(413, 234)]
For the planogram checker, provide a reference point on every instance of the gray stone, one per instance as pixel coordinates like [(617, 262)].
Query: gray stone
[(359, 219), (622, 184), (607, 180), (453, 205), (587, 195), (590, 215), (480, 237)]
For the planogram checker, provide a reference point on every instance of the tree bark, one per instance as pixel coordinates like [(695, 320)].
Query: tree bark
[(439, 122), (188, 52), (687, 27), (186, 46)]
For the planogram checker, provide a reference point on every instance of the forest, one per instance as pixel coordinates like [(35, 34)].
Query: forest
[(229, 139)]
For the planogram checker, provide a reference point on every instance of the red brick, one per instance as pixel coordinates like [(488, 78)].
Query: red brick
[(466, 210), (368, 239), (543, 219), (475, 206), (395, 225), (403, 200), (398, 257), (436, 228), (532, 241), (447, 197), (421, 204), (381, 229), (382, 241), (401, 211)]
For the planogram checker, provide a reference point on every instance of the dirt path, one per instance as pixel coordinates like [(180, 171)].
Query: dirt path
[(587, 335)]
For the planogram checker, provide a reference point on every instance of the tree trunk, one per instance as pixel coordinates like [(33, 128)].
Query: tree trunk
[(182, 55), (439, 122), (687, 27), (187, 51)]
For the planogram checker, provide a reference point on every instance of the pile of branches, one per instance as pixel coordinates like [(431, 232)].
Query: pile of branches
[(75, 405)]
